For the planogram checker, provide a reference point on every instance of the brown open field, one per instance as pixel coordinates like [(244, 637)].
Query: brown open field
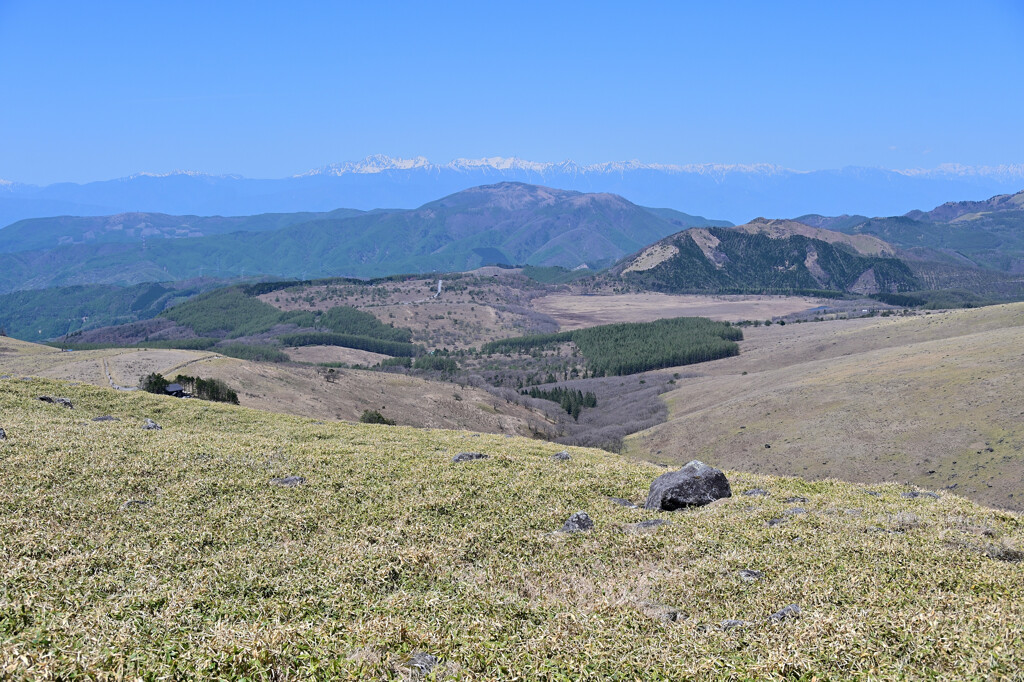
[(573, 311), (317, 354), (930, 399), (305, 391)]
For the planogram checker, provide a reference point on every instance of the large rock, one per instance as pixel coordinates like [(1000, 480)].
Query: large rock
[(694, 485)]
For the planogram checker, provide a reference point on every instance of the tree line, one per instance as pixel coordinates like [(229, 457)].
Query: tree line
[(633, 347)]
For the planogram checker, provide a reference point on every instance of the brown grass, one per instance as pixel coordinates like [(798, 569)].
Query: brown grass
[(932, 399), (575, 311)]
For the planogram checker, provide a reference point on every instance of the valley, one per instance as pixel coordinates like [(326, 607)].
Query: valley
[(928, 399)]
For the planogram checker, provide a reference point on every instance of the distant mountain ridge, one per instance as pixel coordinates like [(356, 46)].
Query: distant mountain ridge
[(986, 234), (505, 223), (736, 192)]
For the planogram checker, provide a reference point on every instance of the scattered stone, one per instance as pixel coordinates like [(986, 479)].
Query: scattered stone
[(852, 512), (421, 663), (872, 493), (288, 481), (796, 499), (150, 425), (57, 401), (750, 575), (468, 456), (794, 511), (915, 494), (106, 418), (134, 504), (562, 456), (580, 521), (756, 492), (623, 503), (767, 446), (696, 484), (776, 522), (665, 614), (3, 434), (791, 611), (1003, 553), (727, 625)]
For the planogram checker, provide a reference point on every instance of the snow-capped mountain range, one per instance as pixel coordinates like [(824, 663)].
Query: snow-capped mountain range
[(735, 192)]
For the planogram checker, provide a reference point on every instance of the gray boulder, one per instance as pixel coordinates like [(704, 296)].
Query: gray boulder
[(580, 521), (562, 456), (750, 575), (150, 425), (420, 663), (468, 456), (696, 484), (791, 611)]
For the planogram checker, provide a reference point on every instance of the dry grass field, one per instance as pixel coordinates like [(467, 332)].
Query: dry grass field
[(573, 311), (150, 555), (318, 354), (933, 399), (314, 392)]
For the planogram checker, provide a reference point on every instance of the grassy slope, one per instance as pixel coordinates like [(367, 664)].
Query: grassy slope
[(301, 391), (869, 400), (389, 548)]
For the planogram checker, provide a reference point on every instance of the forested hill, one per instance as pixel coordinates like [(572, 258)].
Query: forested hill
[(734, 260), (985, 234), (507, 223)]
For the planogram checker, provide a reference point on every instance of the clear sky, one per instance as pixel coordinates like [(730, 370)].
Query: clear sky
[(96, 90)]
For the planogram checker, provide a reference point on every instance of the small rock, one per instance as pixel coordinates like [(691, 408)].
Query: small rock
[(750, 575), (580, 521), (776, 522), (562, 456), (57, 401), (3, 435), (694, 485), (665, 614), (133, 504), (767, 446), (622, 502), (794, 511), (756, 492), (730, 624), (647, 525), (796, 499), (791, 611), (289, 481), (872, 493), (915, 494), (150, 425), (106, 418), (468, 456), (421, 663)]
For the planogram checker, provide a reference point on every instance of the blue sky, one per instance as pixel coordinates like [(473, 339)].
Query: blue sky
[(100, 90)]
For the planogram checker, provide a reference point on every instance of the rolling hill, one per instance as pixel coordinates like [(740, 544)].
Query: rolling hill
[(239, 544), (930, 399)]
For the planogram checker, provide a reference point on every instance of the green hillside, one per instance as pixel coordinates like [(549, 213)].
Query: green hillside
[(42, 314), (127, 553)]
